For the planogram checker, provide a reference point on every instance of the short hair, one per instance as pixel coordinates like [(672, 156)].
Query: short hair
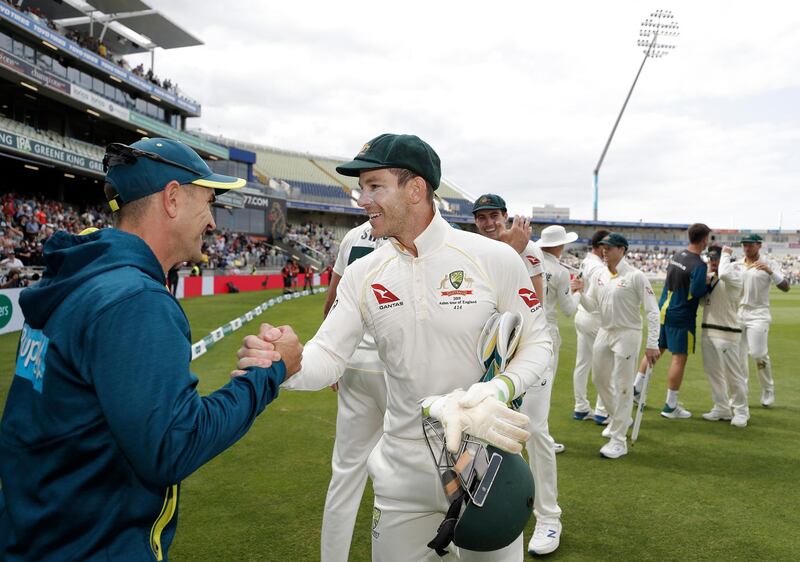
[(128, 211), (599, 235), (403, 176), (697, 232)]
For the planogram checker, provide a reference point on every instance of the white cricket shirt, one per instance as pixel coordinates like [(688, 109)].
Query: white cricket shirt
[(755, 293), (618, 299), (357, 243), (557, 290), (721, 303), (427, 313)]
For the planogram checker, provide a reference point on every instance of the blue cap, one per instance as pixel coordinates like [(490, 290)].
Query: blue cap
[(144, 175)]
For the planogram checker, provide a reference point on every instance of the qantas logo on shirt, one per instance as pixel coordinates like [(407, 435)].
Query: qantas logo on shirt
[(384, 296), (529, 297), (533, 259)]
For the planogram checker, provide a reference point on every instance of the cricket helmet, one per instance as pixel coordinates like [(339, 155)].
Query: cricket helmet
[(490, 493)]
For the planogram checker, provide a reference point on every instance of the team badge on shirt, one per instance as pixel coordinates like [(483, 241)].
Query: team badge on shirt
[(533, 259), (456, 279), (454, 287)]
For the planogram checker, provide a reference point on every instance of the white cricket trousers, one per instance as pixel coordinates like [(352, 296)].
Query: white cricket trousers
[(586, 327), (359, 425), (541, 456), (755, 333), (410, 505), (724, 365), (615, 359)]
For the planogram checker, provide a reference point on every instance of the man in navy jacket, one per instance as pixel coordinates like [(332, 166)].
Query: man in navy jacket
[(103, 420)]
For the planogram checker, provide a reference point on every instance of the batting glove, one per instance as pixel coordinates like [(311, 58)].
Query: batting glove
[(490, 420)]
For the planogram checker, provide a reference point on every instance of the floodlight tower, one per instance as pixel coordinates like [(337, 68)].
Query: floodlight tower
[(657, 35)]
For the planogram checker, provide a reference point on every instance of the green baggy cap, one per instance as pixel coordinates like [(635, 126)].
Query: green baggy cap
[(614, 239), (488, 201), (408, 152), (752, 238)]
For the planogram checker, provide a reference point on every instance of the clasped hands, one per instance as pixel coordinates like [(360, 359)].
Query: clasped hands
[(272, 344)]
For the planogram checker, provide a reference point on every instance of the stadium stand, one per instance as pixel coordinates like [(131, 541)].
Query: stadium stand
[(59, 107), (53, 139)]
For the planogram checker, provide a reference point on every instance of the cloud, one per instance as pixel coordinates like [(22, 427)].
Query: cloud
[(519, 97)]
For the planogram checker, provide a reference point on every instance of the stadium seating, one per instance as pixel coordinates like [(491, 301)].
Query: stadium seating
[(53, 139)]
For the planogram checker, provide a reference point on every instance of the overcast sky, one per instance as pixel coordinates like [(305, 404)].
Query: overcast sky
[(518, 98)]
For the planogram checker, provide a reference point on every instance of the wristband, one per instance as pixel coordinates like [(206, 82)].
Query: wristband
[(505, 388), (432, 406)]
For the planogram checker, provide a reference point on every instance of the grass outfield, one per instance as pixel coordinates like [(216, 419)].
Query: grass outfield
[(689, 490)]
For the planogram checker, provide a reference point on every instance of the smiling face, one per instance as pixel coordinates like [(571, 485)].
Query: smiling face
[(491, 222), (385, 201), (196, 219)]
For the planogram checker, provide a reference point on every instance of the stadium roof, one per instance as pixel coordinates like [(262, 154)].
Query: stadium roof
[(136, 26), (312, 168)]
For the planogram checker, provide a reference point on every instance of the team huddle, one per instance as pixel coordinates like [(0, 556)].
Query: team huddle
[(430, 333)]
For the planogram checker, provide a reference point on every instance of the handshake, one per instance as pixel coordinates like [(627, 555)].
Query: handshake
[(269, 346)]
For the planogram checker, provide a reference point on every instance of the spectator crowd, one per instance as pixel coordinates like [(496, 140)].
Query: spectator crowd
[(314, 240), (27, 221), (95, 45)]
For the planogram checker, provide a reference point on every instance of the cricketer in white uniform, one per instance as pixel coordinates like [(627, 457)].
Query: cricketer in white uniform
[(426, 297), (491, 218), (757, 277), (587, 325), (557, 284), (361, 404), (723, 361), (618, 293)]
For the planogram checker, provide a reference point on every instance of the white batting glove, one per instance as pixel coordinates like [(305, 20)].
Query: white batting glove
[(495, 388), (490, 420)]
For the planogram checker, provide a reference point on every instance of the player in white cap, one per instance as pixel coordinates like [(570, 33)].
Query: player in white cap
[(586, 326), (618, 293), (723, 361), (758, 275), (361, 404)]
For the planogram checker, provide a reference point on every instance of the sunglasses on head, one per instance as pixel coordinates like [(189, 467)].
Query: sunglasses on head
[(118, 154)]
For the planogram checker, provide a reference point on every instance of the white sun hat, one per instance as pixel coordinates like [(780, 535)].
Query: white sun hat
[(555, 235)]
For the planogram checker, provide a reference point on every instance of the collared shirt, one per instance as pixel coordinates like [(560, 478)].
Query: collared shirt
[(755, 294), (357, 243), (557, 290), (618, 298), (721, 304), (427, 313)]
